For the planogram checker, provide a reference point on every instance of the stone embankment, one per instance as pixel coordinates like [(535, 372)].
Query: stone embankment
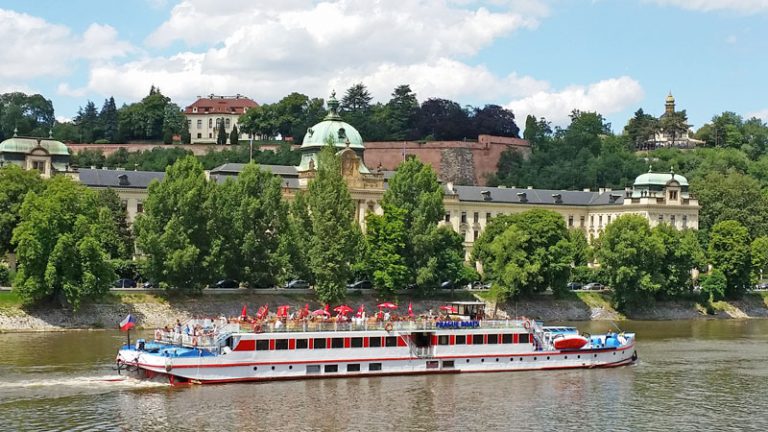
[(154, 311)]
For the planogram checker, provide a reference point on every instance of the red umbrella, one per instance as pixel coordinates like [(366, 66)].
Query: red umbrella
[(343, 309), (448, 308), (282, 311), (327, 309), (244, 313), (387, 305), (321, 312), (410, 309), (360, 310)]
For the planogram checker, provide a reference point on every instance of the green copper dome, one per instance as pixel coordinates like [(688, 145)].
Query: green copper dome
[(659, 179), (26, 145), (341, 133)]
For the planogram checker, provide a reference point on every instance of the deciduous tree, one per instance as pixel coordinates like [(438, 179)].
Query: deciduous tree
[(729, 252)]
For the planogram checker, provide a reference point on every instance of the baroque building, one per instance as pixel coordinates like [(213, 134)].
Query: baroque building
[(664, 138), (659, 197), (45, 155), (207, 114)]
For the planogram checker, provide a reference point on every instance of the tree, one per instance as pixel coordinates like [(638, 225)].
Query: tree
[(632, 257), (87, 121), (221, 137), (247, 217), (172, 231), (714, 285), (30, 115), (681, 254), (15, 184), (495, 120), (174, 122), (60, 245), (729, 252), (401, 112), (674, 124), (387, 238), (108, 120), (118, 243), (442, 119), (234, 136), (525, 253), (581, 251), (641, 128), (186, 137), (153, 108), (759, 251), (334, 231), (357, 99), (731, 196)]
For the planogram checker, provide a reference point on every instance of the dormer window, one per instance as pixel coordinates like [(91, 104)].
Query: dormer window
[(486, 195), (673, 195), (342, 134), (522, 196), (122, 180), (558, 198)]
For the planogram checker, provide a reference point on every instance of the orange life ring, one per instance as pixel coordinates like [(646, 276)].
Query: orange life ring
[(388, 327), (527, 325)]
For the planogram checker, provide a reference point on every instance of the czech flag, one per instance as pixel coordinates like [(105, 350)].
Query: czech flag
[(128, 323)]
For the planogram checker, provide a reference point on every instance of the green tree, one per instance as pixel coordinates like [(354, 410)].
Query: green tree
[(401, 112), (60, 245), (714, 285), (334, 230), (356, 99), (759, 251), (298, 241), (29, 115), (15, 184), (221, 136), (87, 121), (682, 253), (495, 120), (172, 230), (729, 252), (118, 243), (108, 120), (632, 257), (731, 196), (247, 218), (641, 128), (234, 136), (674, 124), (581, 251), (153, 108), (529, 252), (387, 238)]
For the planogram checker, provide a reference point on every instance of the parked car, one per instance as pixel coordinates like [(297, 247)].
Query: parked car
[(226, 283), (297, 284), (575, 286), (148, 284), (360, 285), (446, 285), (124, 283), (594, 286), (479, 285)]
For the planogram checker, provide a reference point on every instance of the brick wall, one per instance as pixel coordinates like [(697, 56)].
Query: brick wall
[(483, 155)]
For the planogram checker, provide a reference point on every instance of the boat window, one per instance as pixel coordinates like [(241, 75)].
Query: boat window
[(374, 366), (313, 369), (390, 341), (524, 338), (337, 343), (331, 368), (433, 364), (281, 344), (477, 339), (493, 338), (374, 342), (448, 364), (506, 338), (354, 367), (461, 339), (318, 343), (357, 342), (301, 344), (443, 340), (262, 345)]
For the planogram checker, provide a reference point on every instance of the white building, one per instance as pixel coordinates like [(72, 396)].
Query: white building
[(207, 114)]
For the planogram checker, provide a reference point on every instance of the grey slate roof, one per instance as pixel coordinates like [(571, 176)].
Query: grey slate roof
[(237, 168), (536, 196), (111, 178)]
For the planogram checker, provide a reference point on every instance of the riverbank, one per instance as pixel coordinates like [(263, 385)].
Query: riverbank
[(152, 310)]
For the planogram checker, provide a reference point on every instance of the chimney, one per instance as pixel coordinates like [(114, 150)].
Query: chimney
[(530, 187), (449, 186), (523, 197), (613, 197), (558, 198), (122, 180), (486, 195)]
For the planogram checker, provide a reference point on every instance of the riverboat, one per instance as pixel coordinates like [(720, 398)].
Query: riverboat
[(457, 343)]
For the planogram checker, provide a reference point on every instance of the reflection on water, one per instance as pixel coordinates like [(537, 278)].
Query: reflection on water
[(692, 375)]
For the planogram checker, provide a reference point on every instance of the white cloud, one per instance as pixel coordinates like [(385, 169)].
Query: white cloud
[(742, 6), (33, 47), (762, 114), (605, 97)]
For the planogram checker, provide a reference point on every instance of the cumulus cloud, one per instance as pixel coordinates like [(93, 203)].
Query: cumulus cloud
[(742, 6), (605, 97), (762, 115), (33, 47)]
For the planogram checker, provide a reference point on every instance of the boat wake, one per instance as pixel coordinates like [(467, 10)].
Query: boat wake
[(26, 389)]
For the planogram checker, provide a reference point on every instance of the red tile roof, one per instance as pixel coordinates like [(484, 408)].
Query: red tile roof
[(221, 104)]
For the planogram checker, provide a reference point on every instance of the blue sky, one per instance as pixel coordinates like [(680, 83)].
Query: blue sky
[(541, 57)]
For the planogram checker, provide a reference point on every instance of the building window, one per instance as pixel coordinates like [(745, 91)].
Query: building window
[(581, 221), (600, 220), (661, 218), (447, 217), (476, 233), (199, 135), (140, 207), (685, 221), (488, 217), (570, 221), (609, 219), (39, 166), (591, 221), (476, 217), (463, 217), (189, 124), (227, 123), (199, 124), (210, 135), (210, 123), (672, 195), (672, 220)]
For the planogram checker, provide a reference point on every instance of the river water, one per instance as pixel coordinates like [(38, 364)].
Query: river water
[(692, 376)]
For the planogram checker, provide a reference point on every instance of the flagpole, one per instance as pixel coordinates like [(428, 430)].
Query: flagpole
[(128, 334)]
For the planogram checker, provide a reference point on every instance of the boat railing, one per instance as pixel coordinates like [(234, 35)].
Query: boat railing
[(389, 326)]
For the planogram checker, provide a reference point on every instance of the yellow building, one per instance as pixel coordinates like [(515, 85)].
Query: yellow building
[(44, 155)]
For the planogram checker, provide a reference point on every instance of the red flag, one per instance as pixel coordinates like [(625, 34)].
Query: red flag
[(244, 313), (128, 323), (410, 309)]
